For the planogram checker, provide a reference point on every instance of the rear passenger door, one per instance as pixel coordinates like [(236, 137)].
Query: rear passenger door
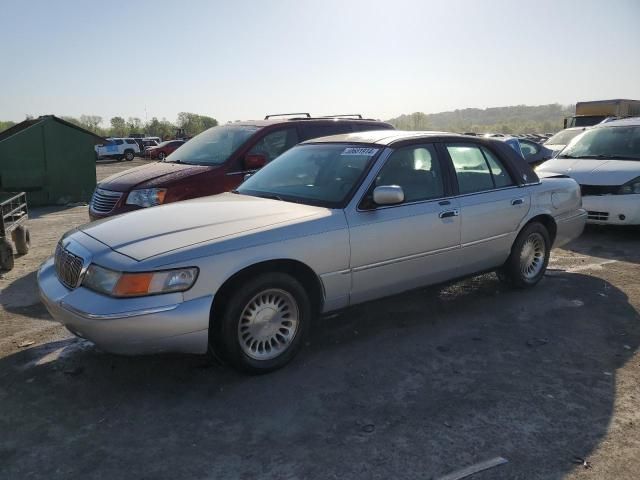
[(491, 205)]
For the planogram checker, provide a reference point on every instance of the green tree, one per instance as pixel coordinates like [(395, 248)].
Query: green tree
[(5, 125), (160, 128), (193, 124), (118, 127), (134, 124), (91, 122)]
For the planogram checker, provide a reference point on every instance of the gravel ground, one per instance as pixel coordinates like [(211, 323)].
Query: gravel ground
[(410, 387)]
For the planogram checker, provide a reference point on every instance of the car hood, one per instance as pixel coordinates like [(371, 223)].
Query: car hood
[(150, 175), (594, 172), (153, 231)]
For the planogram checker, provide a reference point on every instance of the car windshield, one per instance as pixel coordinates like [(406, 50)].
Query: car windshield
[(564, 137), (618, 143), (315, 174), (213, 146)]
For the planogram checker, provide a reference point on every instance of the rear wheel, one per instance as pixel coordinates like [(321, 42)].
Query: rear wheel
[(6, 254), (529, 257), (22, 240), (263, 324)]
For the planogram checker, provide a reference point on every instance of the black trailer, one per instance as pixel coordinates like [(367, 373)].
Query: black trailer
[(13, 222)]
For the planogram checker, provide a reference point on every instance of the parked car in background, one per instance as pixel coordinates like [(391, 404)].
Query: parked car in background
[(605, 161), (216, 161), (594, 112), (144, 142), (560, 140), (330, 223), (164, 149), (534, 153), (118, 148)]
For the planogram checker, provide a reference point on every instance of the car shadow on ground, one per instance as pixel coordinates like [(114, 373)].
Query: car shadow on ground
[(613, 243), (413, 386)]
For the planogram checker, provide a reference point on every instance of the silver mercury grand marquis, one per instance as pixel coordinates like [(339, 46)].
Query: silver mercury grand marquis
[(330, 223)]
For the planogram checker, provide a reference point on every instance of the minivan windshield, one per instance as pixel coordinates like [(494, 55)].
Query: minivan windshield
[(616, 143), (213, 146), (315, 174), (563, 137)]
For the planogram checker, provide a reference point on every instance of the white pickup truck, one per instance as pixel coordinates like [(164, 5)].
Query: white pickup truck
[(118, 148)]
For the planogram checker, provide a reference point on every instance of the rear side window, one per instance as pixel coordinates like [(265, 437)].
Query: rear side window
[(118, 142), (130, 141), (324, 130), (477, 169), (528, 149)]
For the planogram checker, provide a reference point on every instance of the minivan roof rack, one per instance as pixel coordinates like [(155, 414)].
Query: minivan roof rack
[(345, 115), (267, 117)]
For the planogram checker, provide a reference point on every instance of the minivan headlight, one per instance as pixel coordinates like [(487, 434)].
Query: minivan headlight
[(122, 284), (146, 197), (630, 187)]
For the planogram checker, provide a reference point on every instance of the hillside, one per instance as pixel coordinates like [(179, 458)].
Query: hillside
[(514, 119)]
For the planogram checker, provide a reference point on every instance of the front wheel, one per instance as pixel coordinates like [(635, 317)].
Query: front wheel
[(529, 257), (129, 155), (263, 324), (161, 156), (22, 239)]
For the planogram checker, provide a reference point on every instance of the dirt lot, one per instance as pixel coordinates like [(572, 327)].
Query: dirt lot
[(410, 387)]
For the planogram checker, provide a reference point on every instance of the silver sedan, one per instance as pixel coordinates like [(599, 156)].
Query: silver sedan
[(331, 223)]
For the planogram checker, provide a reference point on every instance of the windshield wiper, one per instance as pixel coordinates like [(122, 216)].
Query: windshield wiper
[(599, 157), (271, 196)]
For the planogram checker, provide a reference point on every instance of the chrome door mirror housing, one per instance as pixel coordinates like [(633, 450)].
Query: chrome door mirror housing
[(388, 195)]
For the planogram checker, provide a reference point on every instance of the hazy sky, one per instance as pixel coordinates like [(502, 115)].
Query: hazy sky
[(241, 59)]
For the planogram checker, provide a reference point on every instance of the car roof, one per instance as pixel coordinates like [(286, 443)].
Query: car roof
[(386, 137), (624, 122), (324, 121)]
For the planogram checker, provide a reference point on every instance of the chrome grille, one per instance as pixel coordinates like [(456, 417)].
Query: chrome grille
[(103, 201), (68, 266), (602, 216)]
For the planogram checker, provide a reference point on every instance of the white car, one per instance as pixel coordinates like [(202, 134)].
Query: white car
[(605, 161), (118, 148)]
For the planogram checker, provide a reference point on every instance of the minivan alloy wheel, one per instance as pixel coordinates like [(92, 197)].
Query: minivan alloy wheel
[(268, 324), (532, 256)]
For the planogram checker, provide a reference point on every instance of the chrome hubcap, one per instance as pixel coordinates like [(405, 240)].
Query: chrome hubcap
[(268, 324), (532, 256)]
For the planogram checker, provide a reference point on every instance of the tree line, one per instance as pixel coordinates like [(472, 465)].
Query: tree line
[(188, 124), (509, 120)]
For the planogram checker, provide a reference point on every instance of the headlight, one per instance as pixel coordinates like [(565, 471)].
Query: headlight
[(631, 187), (118, 284), (146, 197)]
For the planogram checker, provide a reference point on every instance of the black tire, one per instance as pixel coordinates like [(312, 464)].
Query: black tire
[(161, 156), (129, 155), (22, 240), (225, 332), (6, 255), (532, 241)]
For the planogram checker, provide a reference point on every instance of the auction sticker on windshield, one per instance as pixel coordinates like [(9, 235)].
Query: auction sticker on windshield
[(368, 152)]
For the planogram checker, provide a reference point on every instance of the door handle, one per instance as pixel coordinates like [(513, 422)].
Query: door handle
[(517, 201), (449, 213)]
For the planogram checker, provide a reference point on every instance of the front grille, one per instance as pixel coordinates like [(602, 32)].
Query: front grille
[(68, 266), (103, 201), (602, 216), (587, 190)]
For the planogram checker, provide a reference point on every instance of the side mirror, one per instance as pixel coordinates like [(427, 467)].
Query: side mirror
[(254, 161), (388, 195)]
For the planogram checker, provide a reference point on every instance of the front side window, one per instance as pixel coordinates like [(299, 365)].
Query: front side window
[(618, 143), (275, 143), (119, 142), (317, 174), (213, 146), (417, 170), (130, 141), (477, 169)]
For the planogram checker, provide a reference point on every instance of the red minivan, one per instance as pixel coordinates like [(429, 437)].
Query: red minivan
[(216, 161)]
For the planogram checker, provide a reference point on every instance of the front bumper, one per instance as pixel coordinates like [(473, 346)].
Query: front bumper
[(129, 326), (613, 209)]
